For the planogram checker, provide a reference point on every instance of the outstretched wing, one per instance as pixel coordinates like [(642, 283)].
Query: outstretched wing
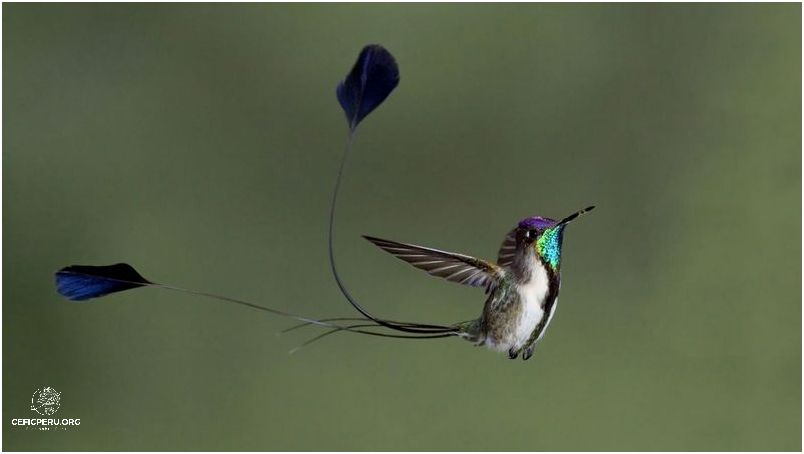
[(507, 249), (463, 269)]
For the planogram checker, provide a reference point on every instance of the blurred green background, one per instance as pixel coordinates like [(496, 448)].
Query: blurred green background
[(200, 144)]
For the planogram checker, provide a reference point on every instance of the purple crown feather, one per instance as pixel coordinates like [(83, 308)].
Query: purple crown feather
[(536, 222)]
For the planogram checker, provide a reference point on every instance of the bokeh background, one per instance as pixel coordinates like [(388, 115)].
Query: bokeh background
[(200, 143)]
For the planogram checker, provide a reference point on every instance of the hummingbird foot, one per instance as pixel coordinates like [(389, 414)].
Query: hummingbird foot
[(513, 353), (527, 353)]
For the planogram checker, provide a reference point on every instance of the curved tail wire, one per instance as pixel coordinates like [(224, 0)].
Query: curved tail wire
[(419, 328)]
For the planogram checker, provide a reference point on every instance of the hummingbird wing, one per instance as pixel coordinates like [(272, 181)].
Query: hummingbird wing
[(507, 249), (463, 269)]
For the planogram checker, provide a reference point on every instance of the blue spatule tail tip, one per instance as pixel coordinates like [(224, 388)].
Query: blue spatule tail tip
[(83, 282), (373, 77)]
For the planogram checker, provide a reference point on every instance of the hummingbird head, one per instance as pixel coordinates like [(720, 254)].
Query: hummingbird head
[(544, 236)]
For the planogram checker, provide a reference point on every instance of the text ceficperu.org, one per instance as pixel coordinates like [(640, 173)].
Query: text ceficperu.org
[(45, 422)]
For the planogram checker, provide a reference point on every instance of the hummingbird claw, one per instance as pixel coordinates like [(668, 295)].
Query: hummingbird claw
[(527, 353), (513, 353)]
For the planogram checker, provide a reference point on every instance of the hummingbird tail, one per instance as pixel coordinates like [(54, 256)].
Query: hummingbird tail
[(370, 81), (81, 283), (469, 330)]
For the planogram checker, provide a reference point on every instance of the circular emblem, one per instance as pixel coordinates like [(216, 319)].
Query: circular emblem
[(46, 401)]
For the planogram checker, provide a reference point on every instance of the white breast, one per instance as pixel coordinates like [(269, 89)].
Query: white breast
[(531, 296)]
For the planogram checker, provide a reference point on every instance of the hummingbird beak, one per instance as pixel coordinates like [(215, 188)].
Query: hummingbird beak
[(574, 216)]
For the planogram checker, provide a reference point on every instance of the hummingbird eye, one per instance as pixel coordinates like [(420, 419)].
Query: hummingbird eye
[(530, 235)]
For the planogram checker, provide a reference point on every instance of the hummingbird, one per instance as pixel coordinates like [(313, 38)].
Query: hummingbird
[(522, 286)]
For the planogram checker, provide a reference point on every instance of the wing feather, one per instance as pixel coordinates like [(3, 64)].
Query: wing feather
[(459, 268), (507, 249)]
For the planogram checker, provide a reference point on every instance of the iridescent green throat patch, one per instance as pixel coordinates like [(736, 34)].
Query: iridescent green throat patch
[(549, 245)]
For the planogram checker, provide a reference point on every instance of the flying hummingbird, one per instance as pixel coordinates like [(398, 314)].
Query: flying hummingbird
[(522, 287)]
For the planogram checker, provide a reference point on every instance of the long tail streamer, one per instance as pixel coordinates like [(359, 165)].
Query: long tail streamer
[(373, 77)]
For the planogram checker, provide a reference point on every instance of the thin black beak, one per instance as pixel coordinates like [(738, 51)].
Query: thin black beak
[(575, 215)]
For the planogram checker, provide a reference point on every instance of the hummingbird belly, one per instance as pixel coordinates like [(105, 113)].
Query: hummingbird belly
[(513, 328)]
